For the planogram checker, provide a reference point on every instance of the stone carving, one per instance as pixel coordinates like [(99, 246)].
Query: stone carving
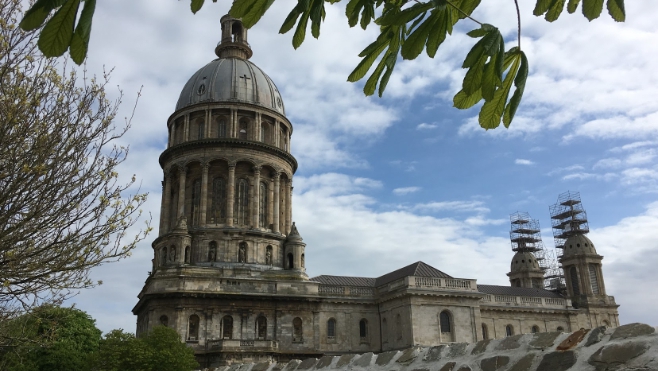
[(242, 254), (268, 257), (172, 254), (212, 254)]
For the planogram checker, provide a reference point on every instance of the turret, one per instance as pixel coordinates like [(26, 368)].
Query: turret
[(294, 251)]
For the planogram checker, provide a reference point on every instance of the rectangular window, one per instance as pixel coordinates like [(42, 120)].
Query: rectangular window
[(593, 279)]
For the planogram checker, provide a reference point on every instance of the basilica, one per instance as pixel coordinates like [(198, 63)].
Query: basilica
[(228, 265)]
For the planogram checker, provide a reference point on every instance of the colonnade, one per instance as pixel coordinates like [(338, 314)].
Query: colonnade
[(278, 217)]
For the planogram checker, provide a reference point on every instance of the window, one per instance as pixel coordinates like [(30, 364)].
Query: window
[(282, 137), (262, 205), (180, 131), (212, 251), (227, 327), (331, 329), (163, 256), (297, 330), (485, 332), (164, 320), (242, 202), (196, 201), (218, 205), (398, 327), (242, 132), (221, 127), (445, 322), (261, 327), (574, 281), (187, 254), (200, 128), (509, 330), (535, 329), (593, 279), (363, 329), (193, 328), (560, 328), (290, 261), (264, 137), (385, 330)]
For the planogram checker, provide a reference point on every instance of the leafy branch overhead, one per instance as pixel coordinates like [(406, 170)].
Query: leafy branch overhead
[(406, 29)]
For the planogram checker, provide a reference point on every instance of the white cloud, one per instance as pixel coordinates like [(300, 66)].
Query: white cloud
[(425, 126), (607, 163), (405, 190), (564, 169), (520, 161), (461, 206)]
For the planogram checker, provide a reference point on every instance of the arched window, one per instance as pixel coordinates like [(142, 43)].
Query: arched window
[(574, 281), (193, 328), (163, 256), (242, 202), (242, 131), (164, 320), (446, 326), (180, 131), (218, 205), (262, 205), (398, 327), (485, 332), (297, 330), (363, 329), (593, 279), (227, 327), (200, 128), (331, 328), (384, 330), (560, 328), (261, 328), (264, 132), (196, 201), (221, 127), (535, 329), (509, 330), (302, 261), (187, 254), (212, 251), (290, 261)]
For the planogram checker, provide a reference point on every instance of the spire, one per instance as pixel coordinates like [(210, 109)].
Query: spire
[(294, 234), (234, 40)]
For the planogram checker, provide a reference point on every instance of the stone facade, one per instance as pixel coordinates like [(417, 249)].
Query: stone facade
[(229, 264)]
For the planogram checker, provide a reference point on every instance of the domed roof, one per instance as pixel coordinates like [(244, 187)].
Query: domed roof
[(578, 244), (523, 262), (231, 80)]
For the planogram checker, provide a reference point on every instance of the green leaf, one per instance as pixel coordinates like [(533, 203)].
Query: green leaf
[(542, 7), (316, 15), (37, 14), (473, 78), (572, 5), (592, 9), (554, 12), (371, 84), (616, 10), (249, 11), (462, 100), (466, 6), (355, 7), (483, 30), (365, 64), (387, 74), (80, 40), (492, 110), (300, 33), (490, 80), (415, 43), (404, 16), (56, 35), (290, 20), (519, 83), (438, 32), (195, 5)]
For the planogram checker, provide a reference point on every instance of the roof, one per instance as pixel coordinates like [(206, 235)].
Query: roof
[(517, 291), (418, 269)]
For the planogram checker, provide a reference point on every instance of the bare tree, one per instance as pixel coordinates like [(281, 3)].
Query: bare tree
[(63, 209)]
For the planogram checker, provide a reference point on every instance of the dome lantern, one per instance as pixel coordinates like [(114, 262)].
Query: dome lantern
[(234, 40)]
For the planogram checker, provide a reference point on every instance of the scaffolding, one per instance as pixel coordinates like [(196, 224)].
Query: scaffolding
[(525, 236)]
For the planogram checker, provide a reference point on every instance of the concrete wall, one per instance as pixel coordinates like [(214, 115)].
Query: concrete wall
[(629, 347)]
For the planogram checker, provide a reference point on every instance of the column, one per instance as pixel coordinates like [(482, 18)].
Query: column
[(288, 205), (182, 170), (186, 129), (270, 203), (277, 189), (234, 123), (206, 128), (204, 193), (258, 127), (230, 198), (256, 202), (166, 204), (275, 135)]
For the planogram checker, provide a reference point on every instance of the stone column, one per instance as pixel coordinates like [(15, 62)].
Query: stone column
[(206, 128), (258, 127), (275, 135), (288, 205), (256, 203), (182, 170), (186, 129), (270, 204), (204, 193), (234, 124), (165, 223), (277, 189), (230, 198)]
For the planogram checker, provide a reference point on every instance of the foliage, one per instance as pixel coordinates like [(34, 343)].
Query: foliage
[(406, 28), (63, 209), (160, 350), (52, 339)]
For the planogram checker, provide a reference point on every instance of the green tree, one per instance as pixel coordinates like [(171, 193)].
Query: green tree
[(406, 29), (51, 339), (159, 350), (63, 209)]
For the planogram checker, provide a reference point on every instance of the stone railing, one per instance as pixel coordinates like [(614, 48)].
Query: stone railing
[(332, 290), (443, 283), (234, 344), (525, 301), (629, 347)]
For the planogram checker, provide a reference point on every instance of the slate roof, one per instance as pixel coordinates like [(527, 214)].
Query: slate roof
[(416, 269), (516, 291)]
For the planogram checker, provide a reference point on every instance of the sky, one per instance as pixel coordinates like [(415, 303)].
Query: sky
[(385, 182)]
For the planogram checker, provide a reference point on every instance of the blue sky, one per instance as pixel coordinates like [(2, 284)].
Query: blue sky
[(386, 182)]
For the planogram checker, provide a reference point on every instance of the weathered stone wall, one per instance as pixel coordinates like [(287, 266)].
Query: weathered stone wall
[(629, 347)]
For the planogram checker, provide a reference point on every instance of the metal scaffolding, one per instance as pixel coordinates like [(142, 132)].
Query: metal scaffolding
[(525, 236)]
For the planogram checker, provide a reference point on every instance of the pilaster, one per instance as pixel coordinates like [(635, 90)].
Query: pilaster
[(230, 197)]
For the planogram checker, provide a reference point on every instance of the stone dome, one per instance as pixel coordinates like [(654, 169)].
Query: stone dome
[(234, 80), (523, 262), (578, 244)]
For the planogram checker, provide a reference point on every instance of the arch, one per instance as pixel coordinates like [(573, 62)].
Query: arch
[(302, 261), (445, 323), (227, 327), (193, 328), (606, 323), (212, 251), (509, 330), (297, 330), (363, 329), (331, 328), (560, 328), (269, 255), (242, 252), (593, 278), (291, 261), (243, 129), (261, 327), (263, 203), (172, 254), (241, 213), (187, 255), (164, 320), (485, 332), (573, 273), (535, 329), (218, 201)]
